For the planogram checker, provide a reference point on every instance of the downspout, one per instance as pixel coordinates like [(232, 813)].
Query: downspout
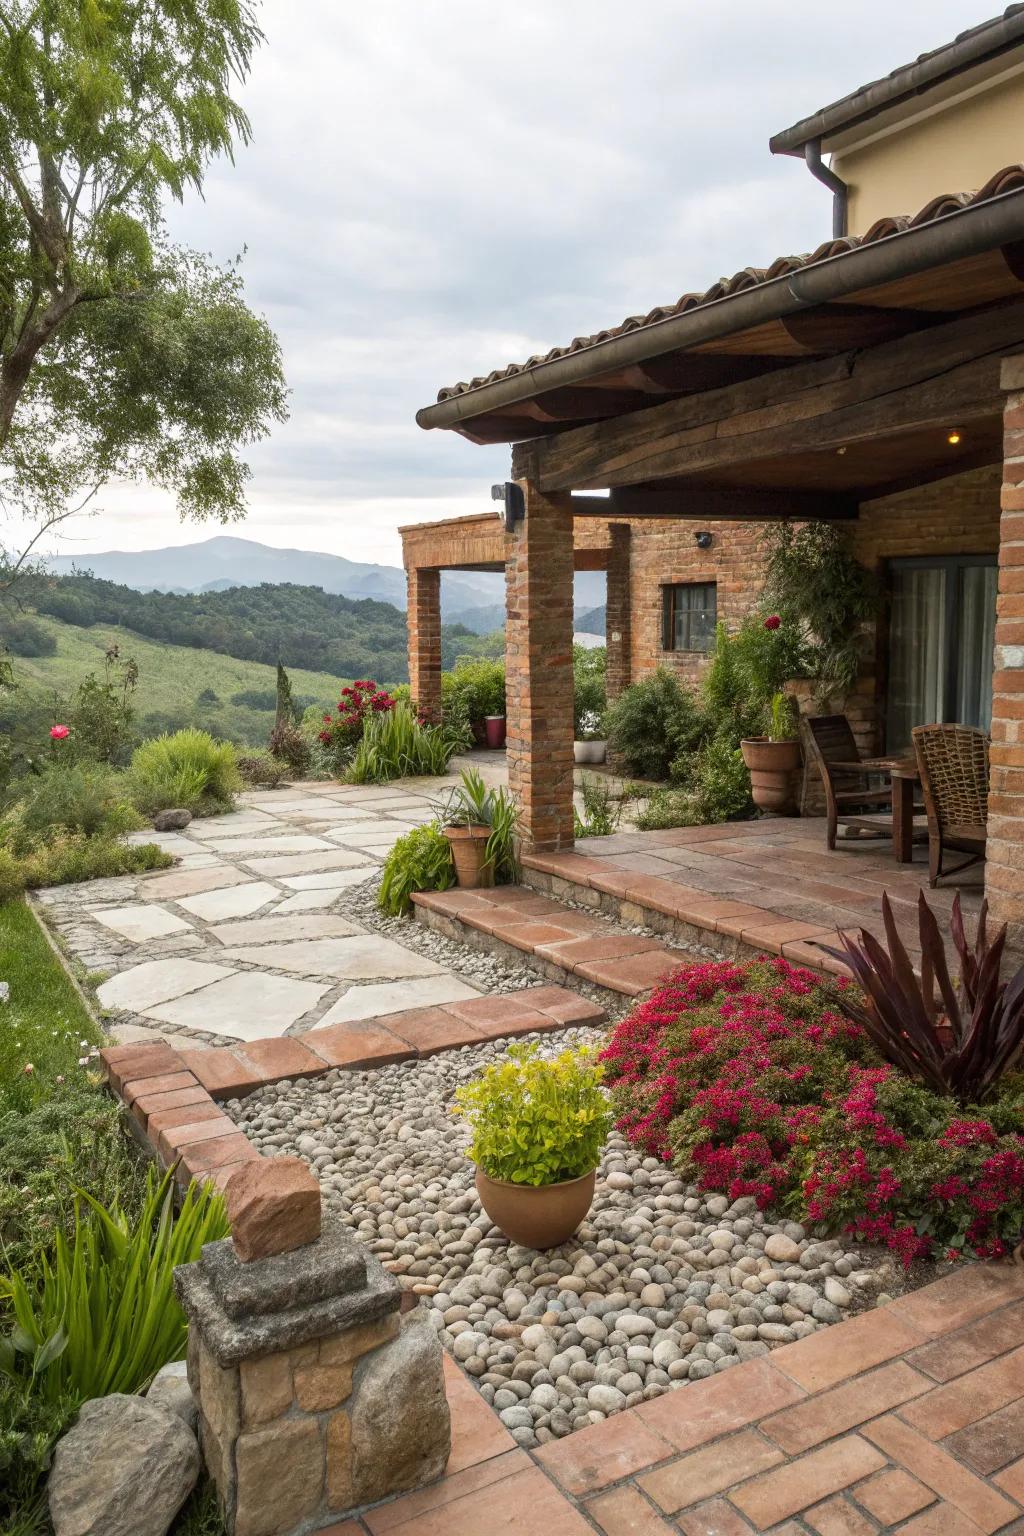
[(836, 185)]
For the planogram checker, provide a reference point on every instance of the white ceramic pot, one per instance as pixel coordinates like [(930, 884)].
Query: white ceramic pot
[(589, 751)]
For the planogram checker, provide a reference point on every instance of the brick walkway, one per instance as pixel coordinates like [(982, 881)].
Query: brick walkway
[(909, 1418)]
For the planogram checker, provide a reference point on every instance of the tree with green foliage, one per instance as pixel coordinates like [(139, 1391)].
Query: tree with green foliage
[(121, 354)]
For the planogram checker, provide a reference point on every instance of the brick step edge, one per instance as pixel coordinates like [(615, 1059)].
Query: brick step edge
[(731, 929), (171, 1093)]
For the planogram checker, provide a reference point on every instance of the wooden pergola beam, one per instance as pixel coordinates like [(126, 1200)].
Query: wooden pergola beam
[(948, 374), (690, 501)]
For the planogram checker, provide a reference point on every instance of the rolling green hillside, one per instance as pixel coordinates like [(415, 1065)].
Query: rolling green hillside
[(171, 680)]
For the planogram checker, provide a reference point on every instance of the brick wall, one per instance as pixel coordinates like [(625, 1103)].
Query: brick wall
[(1004, 869)]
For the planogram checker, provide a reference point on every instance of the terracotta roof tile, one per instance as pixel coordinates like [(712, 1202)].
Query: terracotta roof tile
[(1009, 179)]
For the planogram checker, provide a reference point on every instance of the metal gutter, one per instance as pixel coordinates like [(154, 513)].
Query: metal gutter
[(974, 47), (952, 237)]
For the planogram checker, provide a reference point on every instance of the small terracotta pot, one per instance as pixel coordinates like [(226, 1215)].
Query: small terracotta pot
[(537, 1216), (773, 769), (494, 731), (469, 845)]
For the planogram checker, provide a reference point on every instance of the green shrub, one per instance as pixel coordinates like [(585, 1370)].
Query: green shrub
[(101, 1315), (395, 746), (602, 813), (23, 637), (261, 770), (822, 591), (589, 694), (69, 858), (90, 798), (668, 808), (256, 698), (101, 713), (720, 782), (471, 804), (474, 689), (536, 1122), (291, 748), (652, 722), (189, 769), (421, 860)]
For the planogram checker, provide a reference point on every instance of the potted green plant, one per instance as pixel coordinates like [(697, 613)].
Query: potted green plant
[(591, 743), (537, 1128), (590, 700), (773, 760), (481, 825)]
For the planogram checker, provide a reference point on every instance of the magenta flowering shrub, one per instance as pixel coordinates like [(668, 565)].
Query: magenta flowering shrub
[(750, 1080), (345, 727)]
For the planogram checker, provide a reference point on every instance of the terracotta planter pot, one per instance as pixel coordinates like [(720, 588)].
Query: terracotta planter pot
[(494, 731), (589, 751), (537, 1217), (773, 773), (468, 848)]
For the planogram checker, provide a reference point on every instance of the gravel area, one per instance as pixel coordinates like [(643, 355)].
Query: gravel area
[(660, 1286)]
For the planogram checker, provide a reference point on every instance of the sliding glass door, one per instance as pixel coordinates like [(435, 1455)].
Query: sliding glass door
[(942, 617)]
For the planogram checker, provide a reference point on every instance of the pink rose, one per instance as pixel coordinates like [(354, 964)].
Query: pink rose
[(59, 732)]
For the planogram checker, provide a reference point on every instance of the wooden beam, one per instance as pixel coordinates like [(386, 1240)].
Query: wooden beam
[(688, 373), (579, 404), (947, 374), (836, 327), (694, 502)]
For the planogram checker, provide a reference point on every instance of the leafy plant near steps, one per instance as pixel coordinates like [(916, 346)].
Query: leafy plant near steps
[(471, 804), (536, 1122), (419, 861), (957, 1040), (100, 1315), (395, 746)]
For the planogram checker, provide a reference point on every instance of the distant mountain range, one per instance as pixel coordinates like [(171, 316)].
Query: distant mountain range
[(475, 599)]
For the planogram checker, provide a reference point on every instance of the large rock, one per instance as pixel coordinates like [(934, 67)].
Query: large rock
[(126, 1467), (170, 1389), (273, 1206), (172, 820), (401, 1427)]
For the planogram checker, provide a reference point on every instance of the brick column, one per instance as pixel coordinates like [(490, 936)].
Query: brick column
[(538, 669), (1004, 870), (617, 623), (424, 621)]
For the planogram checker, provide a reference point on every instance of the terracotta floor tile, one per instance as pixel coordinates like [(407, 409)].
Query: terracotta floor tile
[(537, 937), (357, 1045), (838, 1517), (832, 1413), (563, 1005), (772, 935), (451, 1488), (715, 1518), (719, 1405), (221, 1072), (776, 1495), (281, 1058), (625, 1512), (835, 1354), (478, 1434), (429, 1030), (992, 1442), (186, 1114), (152, 1102), (525, 1504), (1011, 1480), (633, 974), (942, 1520), (346, 1528), (209, 1155), (951, 1407), (592, 1458), (703, 1473), (893, 1495), (146, 1087), (961, 1297), (488, 1011), (934, 1467), (980, 1341), (607, 878), (453, 903), (575, 952)]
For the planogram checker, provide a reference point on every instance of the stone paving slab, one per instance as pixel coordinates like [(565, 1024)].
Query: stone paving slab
[(246, 1007), (232, 901), (141, 923)]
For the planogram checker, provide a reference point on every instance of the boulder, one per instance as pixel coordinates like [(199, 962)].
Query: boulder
[(401, 1427), (273, 1205), (127, 1466), (171, 820), (170, 1389)]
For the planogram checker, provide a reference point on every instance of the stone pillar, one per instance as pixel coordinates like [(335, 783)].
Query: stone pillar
[(315, 1395), (424, 621), (1004, 869), (618, 671), (538, 670)]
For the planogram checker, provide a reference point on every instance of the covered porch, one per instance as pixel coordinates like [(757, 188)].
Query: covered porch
[(875, 369)]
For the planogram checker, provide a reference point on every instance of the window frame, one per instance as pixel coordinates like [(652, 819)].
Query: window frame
[(670, 609)]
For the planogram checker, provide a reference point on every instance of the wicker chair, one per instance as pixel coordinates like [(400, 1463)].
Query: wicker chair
[(850, 798), (953, 762)]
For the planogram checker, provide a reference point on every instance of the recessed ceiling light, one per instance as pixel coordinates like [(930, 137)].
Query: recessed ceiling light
[(953, 437), (841, 451)]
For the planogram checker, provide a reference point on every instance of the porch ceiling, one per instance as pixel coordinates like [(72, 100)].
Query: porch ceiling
[(960, 254)]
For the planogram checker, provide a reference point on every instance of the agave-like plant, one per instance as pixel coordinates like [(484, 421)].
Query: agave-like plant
[(958, 1039)]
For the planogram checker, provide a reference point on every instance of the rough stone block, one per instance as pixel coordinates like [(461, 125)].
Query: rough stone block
[(266, 1388), (401, 1427), (273, 1206), (340, 1496), (318, 1387), (280, 1472), (345, 1347)]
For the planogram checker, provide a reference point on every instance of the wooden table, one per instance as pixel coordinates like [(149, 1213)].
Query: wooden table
[(905, 778)]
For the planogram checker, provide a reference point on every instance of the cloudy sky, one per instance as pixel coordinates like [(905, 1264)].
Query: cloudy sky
[(436, 189)]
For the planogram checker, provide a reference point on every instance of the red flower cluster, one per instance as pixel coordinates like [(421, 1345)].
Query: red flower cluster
[(751, 1082), (362, 699), (773, 621)]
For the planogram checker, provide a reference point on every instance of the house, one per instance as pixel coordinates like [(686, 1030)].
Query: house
[(878, 381)]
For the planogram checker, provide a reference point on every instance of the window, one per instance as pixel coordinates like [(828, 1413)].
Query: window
[(689, 615), (942, 621)]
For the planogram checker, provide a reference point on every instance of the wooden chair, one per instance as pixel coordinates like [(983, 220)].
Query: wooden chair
[(849, 796), (953, 763)]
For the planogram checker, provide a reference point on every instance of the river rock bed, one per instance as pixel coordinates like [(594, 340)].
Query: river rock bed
[(661, 1285)]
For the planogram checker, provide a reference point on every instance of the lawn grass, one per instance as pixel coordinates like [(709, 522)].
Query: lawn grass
[(46, 1031)]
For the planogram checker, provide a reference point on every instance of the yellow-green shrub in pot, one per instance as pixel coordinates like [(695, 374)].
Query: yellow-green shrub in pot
[(538, 1127)]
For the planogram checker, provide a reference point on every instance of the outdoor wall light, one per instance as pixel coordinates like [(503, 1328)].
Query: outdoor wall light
[(704, 540), (512, 504), (953, 437)]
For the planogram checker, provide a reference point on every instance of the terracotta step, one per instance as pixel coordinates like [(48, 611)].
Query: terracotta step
[(564, 942)]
